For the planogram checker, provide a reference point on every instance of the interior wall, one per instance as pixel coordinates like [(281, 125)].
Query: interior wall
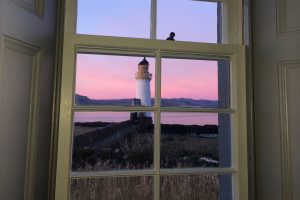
[(276, 75), (27, 41)]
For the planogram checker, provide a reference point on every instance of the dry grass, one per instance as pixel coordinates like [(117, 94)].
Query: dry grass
[(136, 152), (196, 187), (193, 187), (112, 188)]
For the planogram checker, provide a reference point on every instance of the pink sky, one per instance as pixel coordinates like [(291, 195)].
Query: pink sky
[(112, 77), (108, 77), (183, 78)]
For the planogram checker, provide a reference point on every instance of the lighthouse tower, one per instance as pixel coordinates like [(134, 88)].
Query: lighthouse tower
[(143, 78)]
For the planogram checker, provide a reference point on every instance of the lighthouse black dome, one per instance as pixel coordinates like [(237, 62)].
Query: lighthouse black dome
[(144, 62)]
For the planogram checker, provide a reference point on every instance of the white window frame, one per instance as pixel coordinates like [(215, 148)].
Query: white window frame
[(234, 50)]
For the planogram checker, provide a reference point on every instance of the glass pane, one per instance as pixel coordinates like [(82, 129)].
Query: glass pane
[(195, 140), (195, 21), (195, 83), (129, 18), (204, 187), (112, 141), (110, 80), (112, 188)]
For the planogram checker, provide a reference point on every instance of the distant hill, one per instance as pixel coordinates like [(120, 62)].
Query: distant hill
[(184, 102)]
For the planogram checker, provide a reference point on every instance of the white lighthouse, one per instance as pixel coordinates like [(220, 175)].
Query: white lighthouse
[(143, 78)]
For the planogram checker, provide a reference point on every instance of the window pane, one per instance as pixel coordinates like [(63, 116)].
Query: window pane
[(111, 80), (112, 188), (129, 18), (204, 187), (194, 21), (195, 83), (195, 140), (112, 141)]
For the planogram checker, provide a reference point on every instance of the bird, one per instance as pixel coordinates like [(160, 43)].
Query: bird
[(171, 37)]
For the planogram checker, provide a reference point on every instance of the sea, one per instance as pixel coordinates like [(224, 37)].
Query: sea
[(183, 118)]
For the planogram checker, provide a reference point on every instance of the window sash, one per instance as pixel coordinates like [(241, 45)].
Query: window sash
[(231, 20), (234, 52)]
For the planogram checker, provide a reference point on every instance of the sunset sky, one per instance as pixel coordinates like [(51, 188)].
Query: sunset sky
[(112, 77)]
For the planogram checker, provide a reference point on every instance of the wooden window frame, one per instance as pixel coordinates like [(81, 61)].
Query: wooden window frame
[(234, 50)]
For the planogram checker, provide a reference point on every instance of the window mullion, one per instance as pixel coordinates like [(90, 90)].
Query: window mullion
[(157, 134), (153, 19), (156, 195), (158, 78)]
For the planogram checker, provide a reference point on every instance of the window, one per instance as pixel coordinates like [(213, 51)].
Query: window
[(143, 117)]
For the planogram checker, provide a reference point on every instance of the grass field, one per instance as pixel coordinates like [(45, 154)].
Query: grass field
[(135, 151)]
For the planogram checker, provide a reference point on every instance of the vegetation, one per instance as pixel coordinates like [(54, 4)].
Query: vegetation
[(196, 187), (112, 188), (179, 151), (134, 150)]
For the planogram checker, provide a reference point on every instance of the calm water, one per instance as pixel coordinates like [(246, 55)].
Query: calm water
[(166, 118)]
